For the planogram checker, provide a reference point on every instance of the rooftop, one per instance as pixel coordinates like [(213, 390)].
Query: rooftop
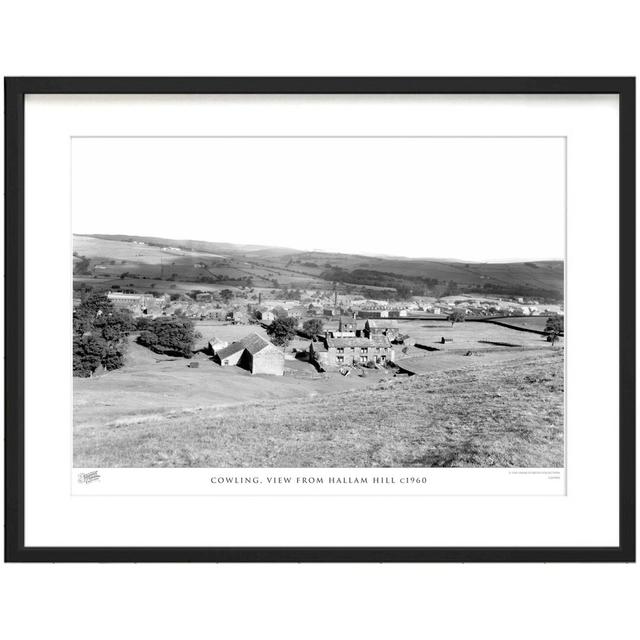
[(374, 341), (383, 324), (254, 343), (234, 347)]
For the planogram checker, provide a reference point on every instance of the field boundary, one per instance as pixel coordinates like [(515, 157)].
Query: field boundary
[(498, 322)]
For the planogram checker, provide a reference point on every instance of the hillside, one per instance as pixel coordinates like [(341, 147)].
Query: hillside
[(194, 261), (501, 414)]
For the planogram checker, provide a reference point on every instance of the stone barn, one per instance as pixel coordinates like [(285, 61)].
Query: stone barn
[(253, 353), (229, 356), (215, 345), (260, 356)]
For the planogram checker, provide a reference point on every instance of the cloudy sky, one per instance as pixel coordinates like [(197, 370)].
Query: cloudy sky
[(481, 199)]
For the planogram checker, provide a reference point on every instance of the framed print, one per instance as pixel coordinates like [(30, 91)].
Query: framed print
[(320, 319)]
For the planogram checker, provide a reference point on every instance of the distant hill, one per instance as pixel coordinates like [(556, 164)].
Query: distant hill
[(199, 260), (195, 245)]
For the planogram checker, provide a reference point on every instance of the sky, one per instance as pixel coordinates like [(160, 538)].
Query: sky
[(472, 199)]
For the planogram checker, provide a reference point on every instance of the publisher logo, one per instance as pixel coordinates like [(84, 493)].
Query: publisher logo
[(87, 478)]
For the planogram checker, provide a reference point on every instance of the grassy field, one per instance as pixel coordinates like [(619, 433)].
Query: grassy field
[(468, 335), (500, 414)]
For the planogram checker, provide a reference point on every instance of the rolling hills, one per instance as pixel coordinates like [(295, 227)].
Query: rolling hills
[(197, 260)]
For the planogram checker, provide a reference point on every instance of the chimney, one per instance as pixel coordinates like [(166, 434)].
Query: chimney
[(260, 298)]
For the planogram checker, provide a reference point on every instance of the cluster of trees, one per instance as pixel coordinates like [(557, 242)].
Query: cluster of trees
[(99, 335), (312, 327), (170, 336), (282, 331), (457, 315), (400, 286), (554, 328), (82, 267), (543, 295)]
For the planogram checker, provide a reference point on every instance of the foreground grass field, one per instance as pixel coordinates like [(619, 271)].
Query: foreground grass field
[(500, 414)]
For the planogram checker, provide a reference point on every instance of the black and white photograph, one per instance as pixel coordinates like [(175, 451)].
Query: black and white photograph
[(318, 301), (363, 315)]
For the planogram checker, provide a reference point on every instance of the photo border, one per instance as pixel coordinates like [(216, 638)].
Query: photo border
[(15, 91)]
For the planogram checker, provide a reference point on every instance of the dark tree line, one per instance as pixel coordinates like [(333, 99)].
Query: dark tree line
[(99, 335), (167, 335)]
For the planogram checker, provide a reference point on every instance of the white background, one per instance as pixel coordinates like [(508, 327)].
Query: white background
[(332, 38), (197, 188)]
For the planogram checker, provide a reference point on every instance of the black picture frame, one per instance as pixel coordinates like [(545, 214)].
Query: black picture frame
[(15, 91)]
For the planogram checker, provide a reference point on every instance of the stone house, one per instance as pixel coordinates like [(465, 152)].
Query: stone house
[(336, 352), (388, 328)]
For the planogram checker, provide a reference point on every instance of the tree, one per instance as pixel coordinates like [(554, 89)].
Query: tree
[(170, 336), (99, 335), (282, 330), (554, 324), (554, 329), (313, 327), (226, 295), (457, 315)]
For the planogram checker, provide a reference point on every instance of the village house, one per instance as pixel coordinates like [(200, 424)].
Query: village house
[(238, 316), (138, 304), (347, 328), (267, 317), (296, 312), (253, 353), (216, 314), (373, 313), (388, 328), (335, 352)]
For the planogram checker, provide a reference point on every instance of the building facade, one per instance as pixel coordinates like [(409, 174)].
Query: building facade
[(331, 352), (388, 328)]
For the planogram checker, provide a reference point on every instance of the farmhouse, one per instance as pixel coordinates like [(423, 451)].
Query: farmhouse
[(335, 352), (387, 328), (253, 353)]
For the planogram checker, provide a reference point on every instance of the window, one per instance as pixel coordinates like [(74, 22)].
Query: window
[(340, 349), (363, 358), (340, 359), (364, 350)]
